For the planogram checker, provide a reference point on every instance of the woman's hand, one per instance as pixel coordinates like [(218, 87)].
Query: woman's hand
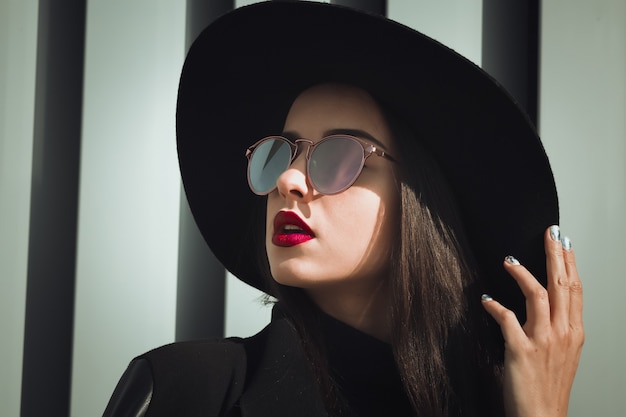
[(541, 357)]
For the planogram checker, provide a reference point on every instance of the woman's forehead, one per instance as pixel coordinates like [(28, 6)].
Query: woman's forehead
[(331, 108)]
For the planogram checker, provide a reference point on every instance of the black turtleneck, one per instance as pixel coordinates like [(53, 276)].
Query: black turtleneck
[(365, 371)]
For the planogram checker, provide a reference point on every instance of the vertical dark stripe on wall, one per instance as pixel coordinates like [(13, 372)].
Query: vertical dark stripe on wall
[(48, 333), (201, 277), (372, 6), (510, 49)]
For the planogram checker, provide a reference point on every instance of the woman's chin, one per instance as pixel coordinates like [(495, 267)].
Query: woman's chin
[(291, 278)]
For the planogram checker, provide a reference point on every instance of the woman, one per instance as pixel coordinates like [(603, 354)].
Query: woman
[(397, 178)]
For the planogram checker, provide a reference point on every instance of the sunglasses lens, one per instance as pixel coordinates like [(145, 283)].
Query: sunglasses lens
[(268, 160), (335, 164)]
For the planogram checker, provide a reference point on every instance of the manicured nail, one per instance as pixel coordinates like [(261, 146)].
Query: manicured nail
[(511, 260), (486, 297), (566, 243), (555, 233)]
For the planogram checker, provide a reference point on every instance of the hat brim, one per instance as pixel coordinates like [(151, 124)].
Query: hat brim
[(245, 69)]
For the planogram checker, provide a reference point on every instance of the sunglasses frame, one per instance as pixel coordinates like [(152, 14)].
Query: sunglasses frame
[(368, 150)]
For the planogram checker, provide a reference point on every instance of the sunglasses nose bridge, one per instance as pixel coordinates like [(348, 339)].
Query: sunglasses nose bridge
[(298, 150)]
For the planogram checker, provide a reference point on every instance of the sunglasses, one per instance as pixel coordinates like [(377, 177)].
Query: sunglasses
[(332, 164)]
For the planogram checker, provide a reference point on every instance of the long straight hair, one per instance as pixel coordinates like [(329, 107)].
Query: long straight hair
[(448, 353)]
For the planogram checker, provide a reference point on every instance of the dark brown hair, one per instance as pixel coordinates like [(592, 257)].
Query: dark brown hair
[(448, 353)]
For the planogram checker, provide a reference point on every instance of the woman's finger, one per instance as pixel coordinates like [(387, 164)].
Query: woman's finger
[(507, 320), (575, 286), (558, 279), (537, 299)]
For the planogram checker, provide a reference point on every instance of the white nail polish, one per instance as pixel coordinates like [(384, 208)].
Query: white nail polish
[(555, 233), (511, 260), (566, 243)]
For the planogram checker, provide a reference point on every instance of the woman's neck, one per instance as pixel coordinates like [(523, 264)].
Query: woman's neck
[(362, 307)]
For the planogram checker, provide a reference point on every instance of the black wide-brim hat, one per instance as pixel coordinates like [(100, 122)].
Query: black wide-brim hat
[(245, 69)]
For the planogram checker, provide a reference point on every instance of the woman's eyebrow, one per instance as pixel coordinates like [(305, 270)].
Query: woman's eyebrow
[(356, 132), (291, 135), (351, 132)]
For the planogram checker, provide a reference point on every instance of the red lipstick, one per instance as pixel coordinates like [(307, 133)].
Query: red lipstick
[(290, 230)]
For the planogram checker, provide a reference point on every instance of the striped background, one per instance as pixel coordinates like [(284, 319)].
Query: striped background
[(99, 259)]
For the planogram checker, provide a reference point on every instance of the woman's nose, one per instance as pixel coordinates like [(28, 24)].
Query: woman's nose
[(293, 183)]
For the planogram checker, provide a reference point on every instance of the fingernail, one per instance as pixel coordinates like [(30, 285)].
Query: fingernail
[(511, 260), (566, 243), (486, 297), (555, 233)]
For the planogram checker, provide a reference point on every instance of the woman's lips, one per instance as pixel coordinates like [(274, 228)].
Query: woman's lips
[(290, 230)]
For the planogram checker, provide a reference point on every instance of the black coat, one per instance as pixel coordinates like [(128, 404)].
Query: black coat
[(265, 375)]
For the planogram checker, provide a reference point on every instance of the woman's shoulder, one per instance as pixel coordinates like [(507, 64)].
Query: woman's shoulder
[(177, 378), (263, 375)]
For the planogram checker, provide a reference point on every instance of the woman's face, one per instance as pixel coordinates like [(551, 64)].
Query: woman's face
[(349, 235)]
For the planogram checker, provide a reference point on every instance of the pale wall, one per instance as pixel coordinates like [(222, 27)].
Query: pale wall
[(18, 39), (583, 126), (129, 192)]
